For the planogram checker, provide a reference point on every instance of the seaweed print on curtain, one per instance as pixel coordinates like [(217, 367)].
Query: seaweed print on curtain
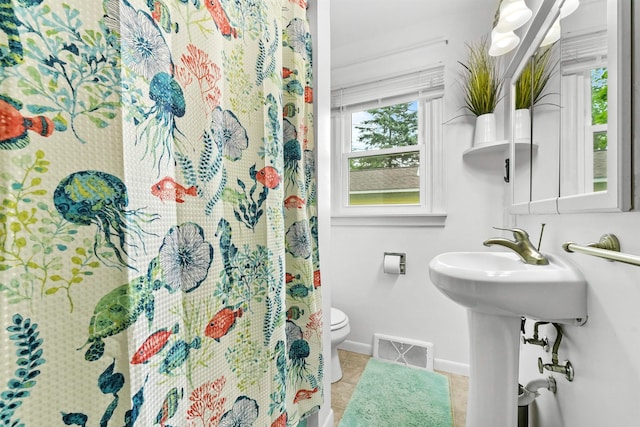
[(158, 228)]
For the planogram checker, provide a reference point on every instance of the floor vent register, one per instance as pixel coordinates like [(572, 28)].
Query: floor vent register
[(403, 351)]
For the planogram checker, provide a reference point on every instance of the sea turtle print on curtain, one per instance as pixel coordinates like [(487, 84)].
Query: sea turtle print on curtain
[(159, 259)]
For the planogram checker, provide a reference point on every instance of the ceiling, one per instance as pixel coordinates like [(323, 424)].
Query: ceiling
[(353, 20)]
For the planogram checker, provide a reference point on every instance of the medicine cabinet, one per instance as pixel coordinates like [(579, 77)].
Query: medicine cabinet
[(579, 156)]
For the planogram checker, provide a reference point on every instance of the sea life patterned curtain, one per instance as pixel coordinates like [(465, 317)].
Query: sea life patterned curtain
[(158, 228)]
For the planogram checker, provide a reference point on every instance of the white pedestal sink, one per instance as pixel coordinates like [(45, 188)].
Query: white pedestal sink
[(498, 289)]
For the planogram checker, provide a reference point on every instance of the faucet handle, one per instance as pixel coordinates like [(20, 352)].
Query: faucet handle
[(518, 233)]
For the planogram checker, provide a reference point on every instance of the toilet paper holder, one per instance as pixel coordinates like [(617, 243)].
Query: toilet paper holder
[(403, 261)]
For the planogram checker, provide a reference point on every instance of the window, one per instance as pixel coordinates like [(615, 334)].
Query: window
[(387, 145), (384, 162), (584, 116), (598, 126)]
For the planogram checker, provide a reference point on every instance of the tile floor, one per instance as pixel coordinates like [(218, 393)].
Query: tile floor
[(354, 363)]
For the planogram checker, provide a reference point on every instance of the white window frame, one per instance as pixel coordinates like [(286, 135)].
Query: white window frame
[(591, 129), (430, 210), (578, 130)]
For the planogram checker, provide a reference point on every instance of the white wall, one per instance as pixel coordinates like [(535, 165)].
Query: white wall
[(410, 306), (605, 352)]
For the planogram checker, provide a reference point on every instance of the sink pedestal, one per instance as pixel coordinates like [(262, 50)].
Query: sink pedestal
[(493, 380)]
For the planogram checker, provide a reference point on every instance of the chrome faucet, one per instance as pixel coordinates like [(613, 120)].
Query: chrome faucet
[(520, 245)]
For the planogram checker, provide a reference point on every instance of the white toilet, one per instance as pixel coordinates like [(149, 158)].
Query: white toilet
[(339, 332)]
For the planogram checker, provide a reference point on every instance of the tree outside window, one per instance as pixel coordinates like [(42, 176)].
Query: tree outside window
[(385, 178), (599, 88), (599, 118)]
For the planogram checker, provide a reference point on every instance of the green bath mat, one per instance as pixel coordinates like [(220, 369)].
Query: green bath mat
[(392, 395)]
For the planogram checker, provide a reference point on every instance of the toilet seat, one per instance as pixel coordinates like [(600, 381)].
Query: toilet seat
[(338, 319)]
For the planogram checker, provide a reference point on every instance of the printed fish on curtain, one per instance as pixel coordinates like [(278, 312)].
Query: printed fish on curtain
[(158, 224)]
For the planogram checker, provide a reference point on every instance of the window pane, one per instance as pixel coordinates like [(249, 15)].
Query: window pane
[(599, 96), (599, 161), (599, 116), (385, 127), (385, 180)]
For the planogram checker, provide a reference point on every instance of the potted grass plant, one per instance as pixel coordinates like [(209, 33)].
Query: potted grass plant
[(482, 87), (530, 88)]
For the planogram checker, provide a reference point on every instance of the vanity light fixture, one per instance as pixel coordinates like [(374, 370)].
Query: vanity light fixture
[(513, 15), (553, 35), (502, 43), (568, 7)]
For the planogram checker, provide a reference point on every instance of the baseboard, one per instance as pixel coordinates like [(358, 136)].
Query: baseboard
[(357, 347), (451, 367), (442, 365)]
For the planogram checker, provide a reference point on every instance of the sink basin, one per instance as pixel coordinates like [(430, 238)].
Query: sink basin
[(500, 283), (498, 288)]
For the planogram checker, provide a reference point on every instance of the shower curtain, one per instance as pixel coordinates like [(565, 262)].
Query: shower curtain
[(158, 227)]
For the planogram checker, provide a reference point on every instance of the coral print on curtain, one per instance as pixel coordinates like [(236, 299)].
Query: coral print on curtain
[(158, 226)]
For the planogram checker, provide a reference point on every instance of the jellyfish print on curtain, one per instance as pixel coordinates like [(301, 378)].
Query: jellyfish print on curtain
[(158, 226)]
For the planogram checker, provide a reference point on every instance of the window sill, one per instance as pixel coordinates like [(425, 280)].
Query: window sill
[(425, 220)]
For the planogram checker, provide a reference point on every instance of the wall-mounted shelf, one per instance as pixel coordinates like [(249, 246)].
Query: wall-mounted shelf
[(501, 146)]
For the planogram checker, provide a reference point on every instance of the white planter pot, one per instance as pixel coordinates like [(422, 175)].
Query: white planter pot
[(522, 125), (485, 129)]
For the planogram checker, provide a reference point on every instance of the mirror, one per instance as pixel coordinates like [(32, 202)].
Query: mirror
[(545, 122), (545, 111), (529, 113), (579, 156)]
